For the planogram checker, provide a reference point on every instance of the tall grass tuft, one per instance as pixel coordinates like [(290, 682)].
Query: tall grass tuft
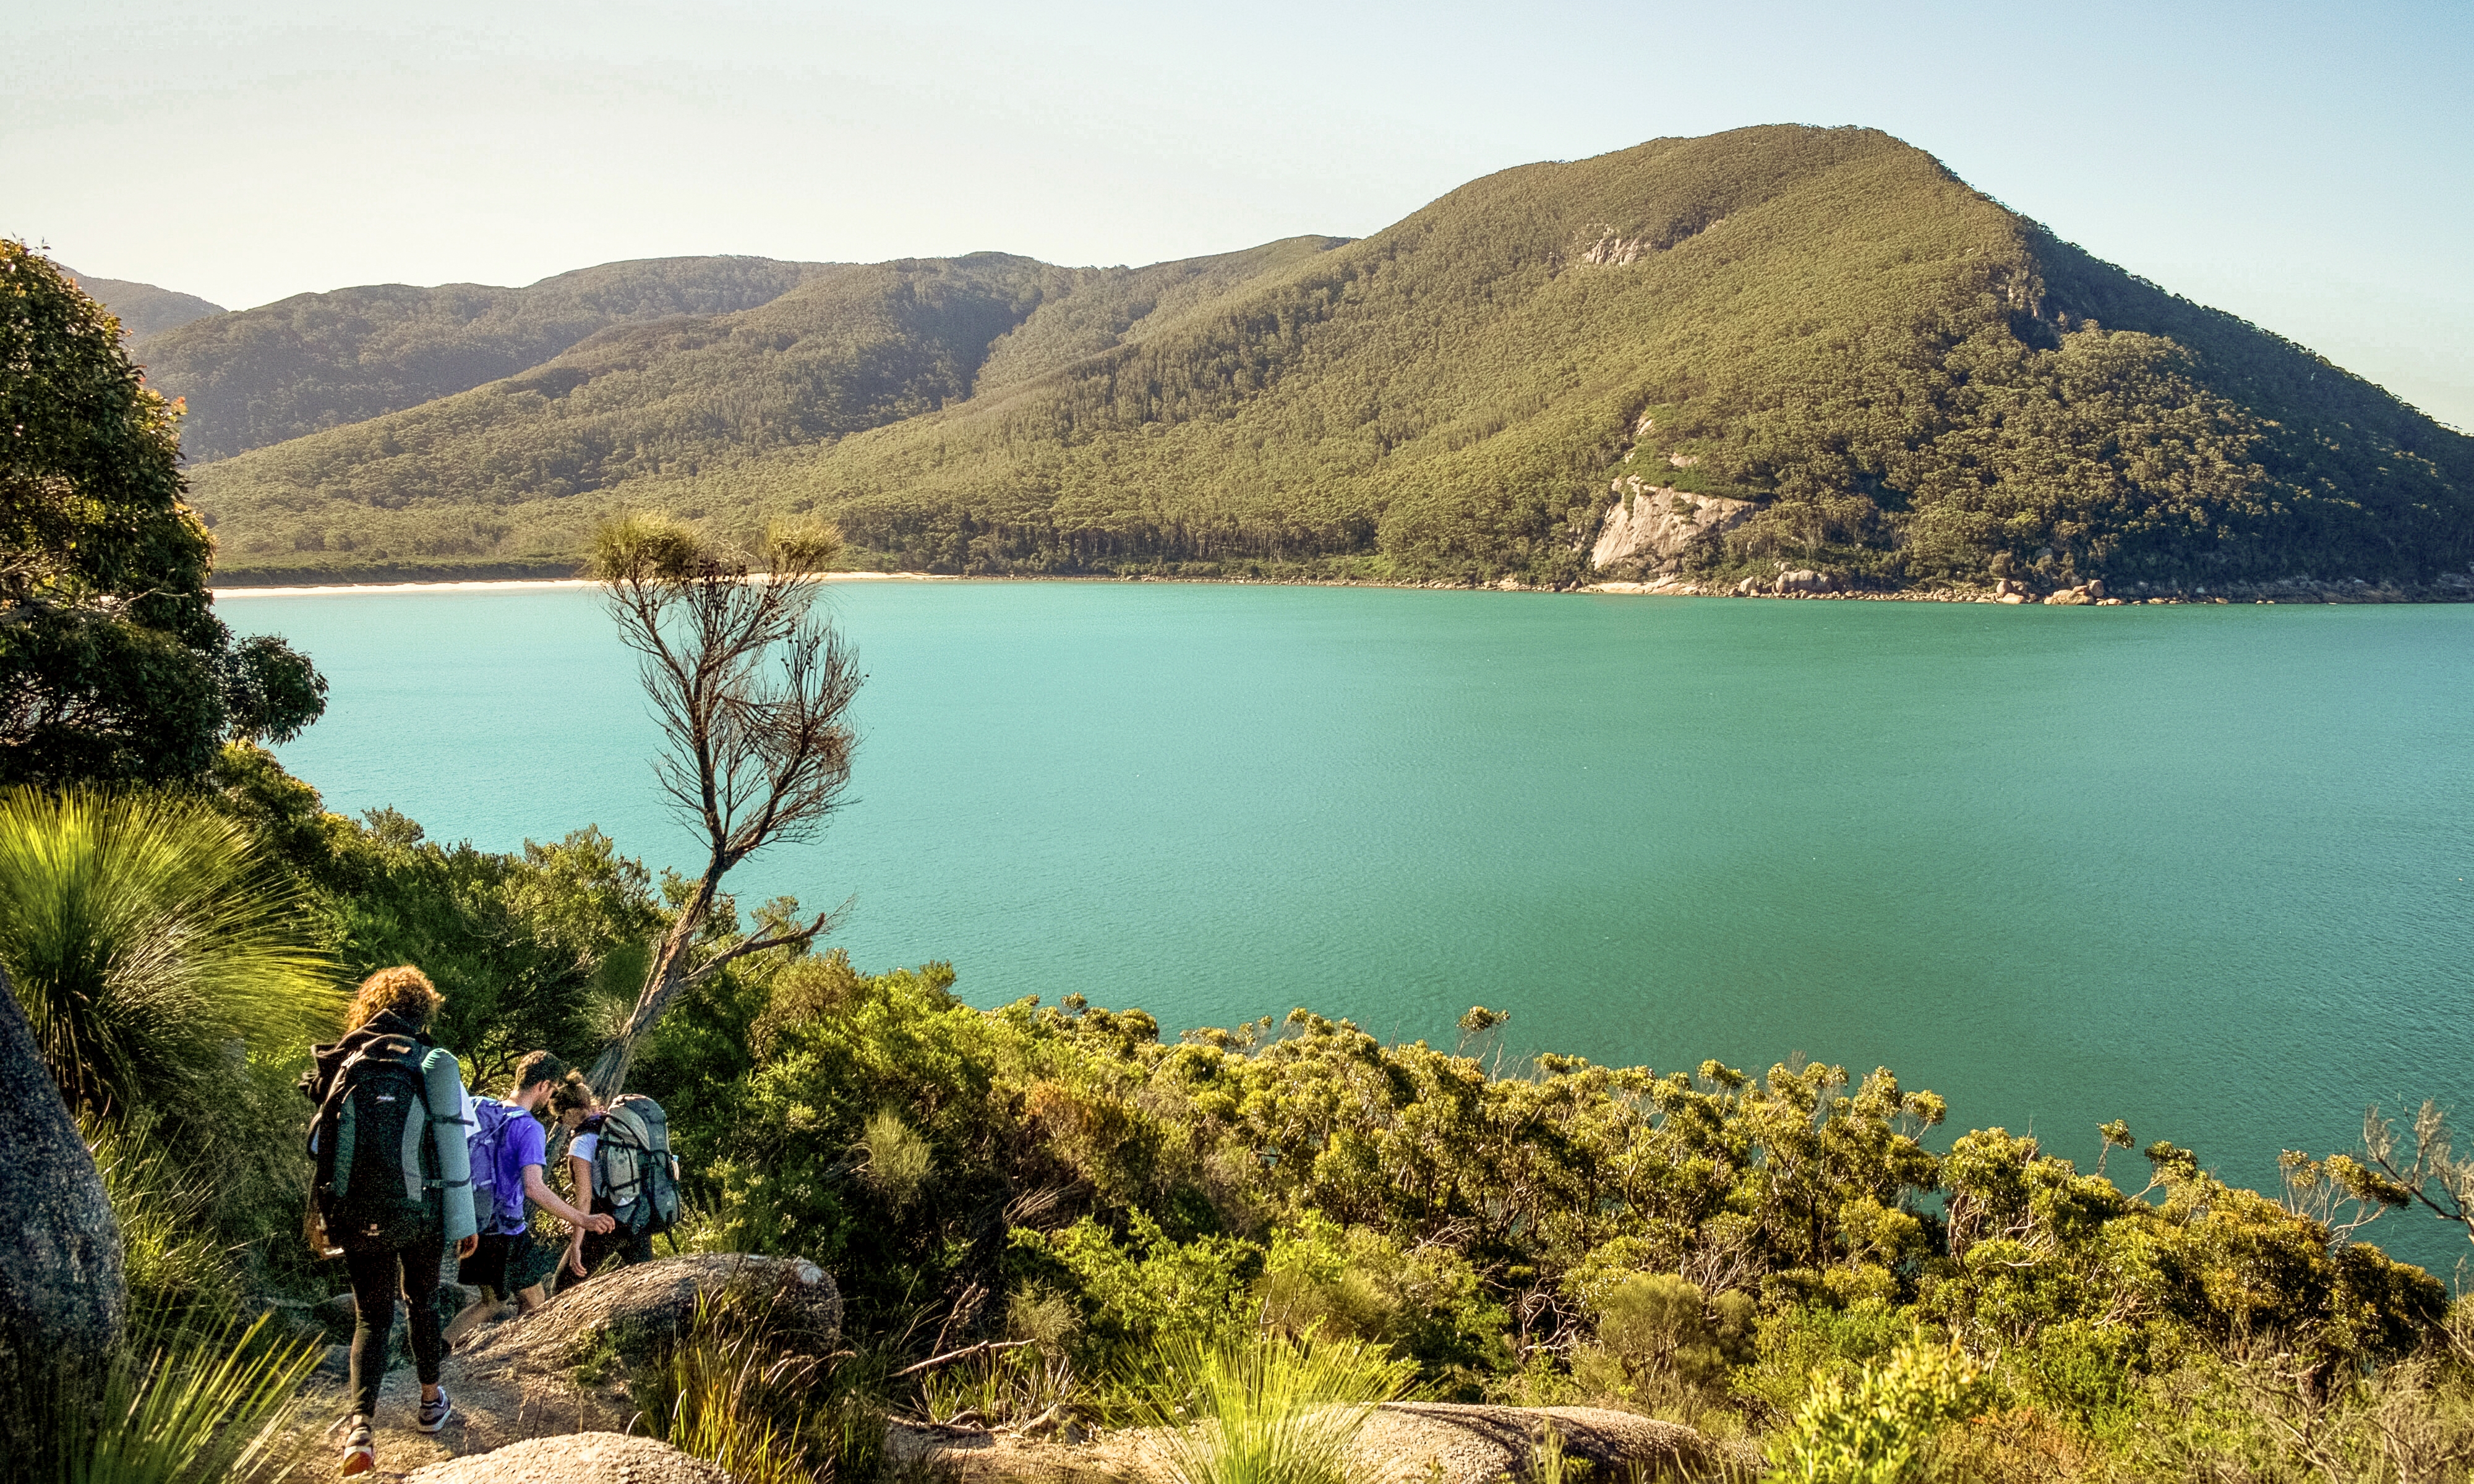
[(733, 1395), (1267, 1410), (175, 1268), (189, 1409), (144, 937)]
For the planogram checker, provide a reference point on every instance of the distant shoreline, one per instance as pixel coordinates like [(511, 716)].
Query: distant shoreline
[(518, 584), (2265, 594)]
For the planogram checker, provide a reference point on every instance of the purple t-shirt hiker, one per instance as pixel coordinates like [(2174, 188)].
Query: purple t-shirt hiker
[(520, 1143)]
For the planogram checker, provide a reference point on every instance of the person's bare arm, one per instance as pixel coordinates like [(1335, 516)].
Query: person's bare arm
[(582, 1170), (539, 1192)]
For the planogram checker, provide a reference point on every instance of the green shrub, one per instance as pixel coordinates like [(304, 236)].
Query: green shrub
[(1879, 1428), (1663, 1345), (1795, 1348), (1427, 1303)]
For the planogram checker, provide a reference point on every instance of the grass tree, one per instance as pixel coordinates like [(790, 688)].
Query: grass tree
[(144, 936), (750, 686), (1267, 1409)]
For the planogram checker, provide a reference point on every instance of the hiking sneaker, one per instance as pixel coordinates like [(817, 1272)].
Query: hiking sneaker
[(360, 1449), (433, 1414)]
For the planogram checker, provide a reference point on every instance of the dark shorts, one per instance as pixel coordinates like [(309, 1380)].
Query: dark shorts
[(489, 1265), (508, 1262)]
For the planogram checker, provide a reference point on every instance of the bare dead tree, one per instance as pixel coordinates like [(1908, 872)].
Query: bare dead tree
[(2435, 1178), (750, 687)]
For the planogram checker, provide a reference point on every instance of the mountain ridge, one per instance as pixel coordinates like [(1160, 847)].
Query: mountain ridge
[(258, 376), (1907, 382), (144, 309)]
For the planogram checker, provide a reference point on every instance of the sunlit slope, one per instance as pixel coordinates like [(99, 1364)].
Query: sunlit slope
[(520, 468), (1907, 381), (1913, 382), (316, 361)]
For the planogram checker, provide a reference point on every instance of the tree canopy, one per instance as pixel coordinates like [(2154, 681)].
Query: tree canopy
[(112, 662)]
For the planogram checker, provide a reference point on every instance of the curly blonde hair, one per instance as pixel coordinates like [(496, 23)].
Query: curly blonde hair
[(403, 990)]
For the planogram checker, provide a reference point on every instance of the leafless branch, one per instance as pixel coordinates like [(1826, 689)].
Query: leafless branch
[(966, 1353), (750, 688)]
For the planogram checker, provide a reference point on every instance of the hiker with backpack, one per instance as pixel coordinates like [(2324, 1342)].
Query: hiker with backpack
[(508, 1152), (621, 1159), (393, 1189)]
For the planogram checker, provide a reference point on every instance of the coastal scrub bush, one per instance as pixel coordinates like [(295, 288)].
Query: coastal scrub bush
[(1148, 1290), (1880, 1426), (1662, 1345), (1426, 1304), (1797, 1345)]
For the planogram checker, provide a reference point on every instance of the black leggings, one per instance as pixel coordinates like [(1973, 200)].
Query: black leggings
[(630, 1246), (377, 1273)]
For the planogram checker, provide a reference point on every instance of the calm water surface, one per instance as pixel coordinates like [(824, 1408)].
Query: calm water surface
[(2199, 868)]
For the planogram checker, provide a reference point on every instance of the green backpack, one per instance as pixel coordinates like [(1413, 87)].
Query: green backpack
[(374, 1141), (633, 1158)]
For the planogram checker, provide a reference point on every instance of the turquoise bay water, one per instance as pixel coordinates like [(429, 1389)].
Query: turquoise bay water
[(2199, 868)]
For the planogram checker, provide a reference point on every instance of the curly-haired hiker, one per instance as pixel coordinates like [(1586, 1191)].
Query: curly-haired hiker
[(394, 1185), (508, 1152)]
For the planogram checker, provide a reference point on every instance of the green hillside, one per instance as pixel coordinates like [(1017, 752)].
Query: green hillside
[(142, 308), (316, 361), (1910, 382)]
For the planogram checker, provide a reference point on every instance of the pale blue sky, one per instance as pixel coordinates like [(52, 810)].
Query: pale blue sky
[(2311, 168)]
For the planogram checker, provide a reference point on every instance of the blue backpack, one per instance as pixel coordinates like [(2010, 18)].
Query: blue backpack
[(497, 1201)]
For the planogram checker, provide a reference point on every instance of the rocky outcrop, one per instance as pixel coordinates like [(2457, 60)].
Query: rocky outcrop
[(63, 1296), (1403, 1443), (565, 1369), (1466, 1445), (1650, 526), (596, 1457), (632, 1311)]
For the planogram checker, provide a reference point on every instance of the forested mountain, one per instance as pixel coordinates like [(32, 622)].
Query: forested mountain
[(1905, 382), (142, 308), (316, 361)]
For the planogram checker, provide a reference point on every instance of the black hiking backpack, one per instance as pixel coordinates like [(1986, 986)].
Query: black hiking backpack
[(633, 1156), (376, 1147)]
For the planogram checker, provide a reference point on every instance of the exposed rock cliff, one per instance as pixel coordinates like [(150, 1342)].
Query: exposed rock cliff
[(1647, 527)]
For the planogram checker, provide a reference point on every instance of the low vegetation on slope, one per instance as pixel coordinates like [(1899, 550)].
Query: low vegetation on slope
[(317, 361), (495, 474), (1910, 382)]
